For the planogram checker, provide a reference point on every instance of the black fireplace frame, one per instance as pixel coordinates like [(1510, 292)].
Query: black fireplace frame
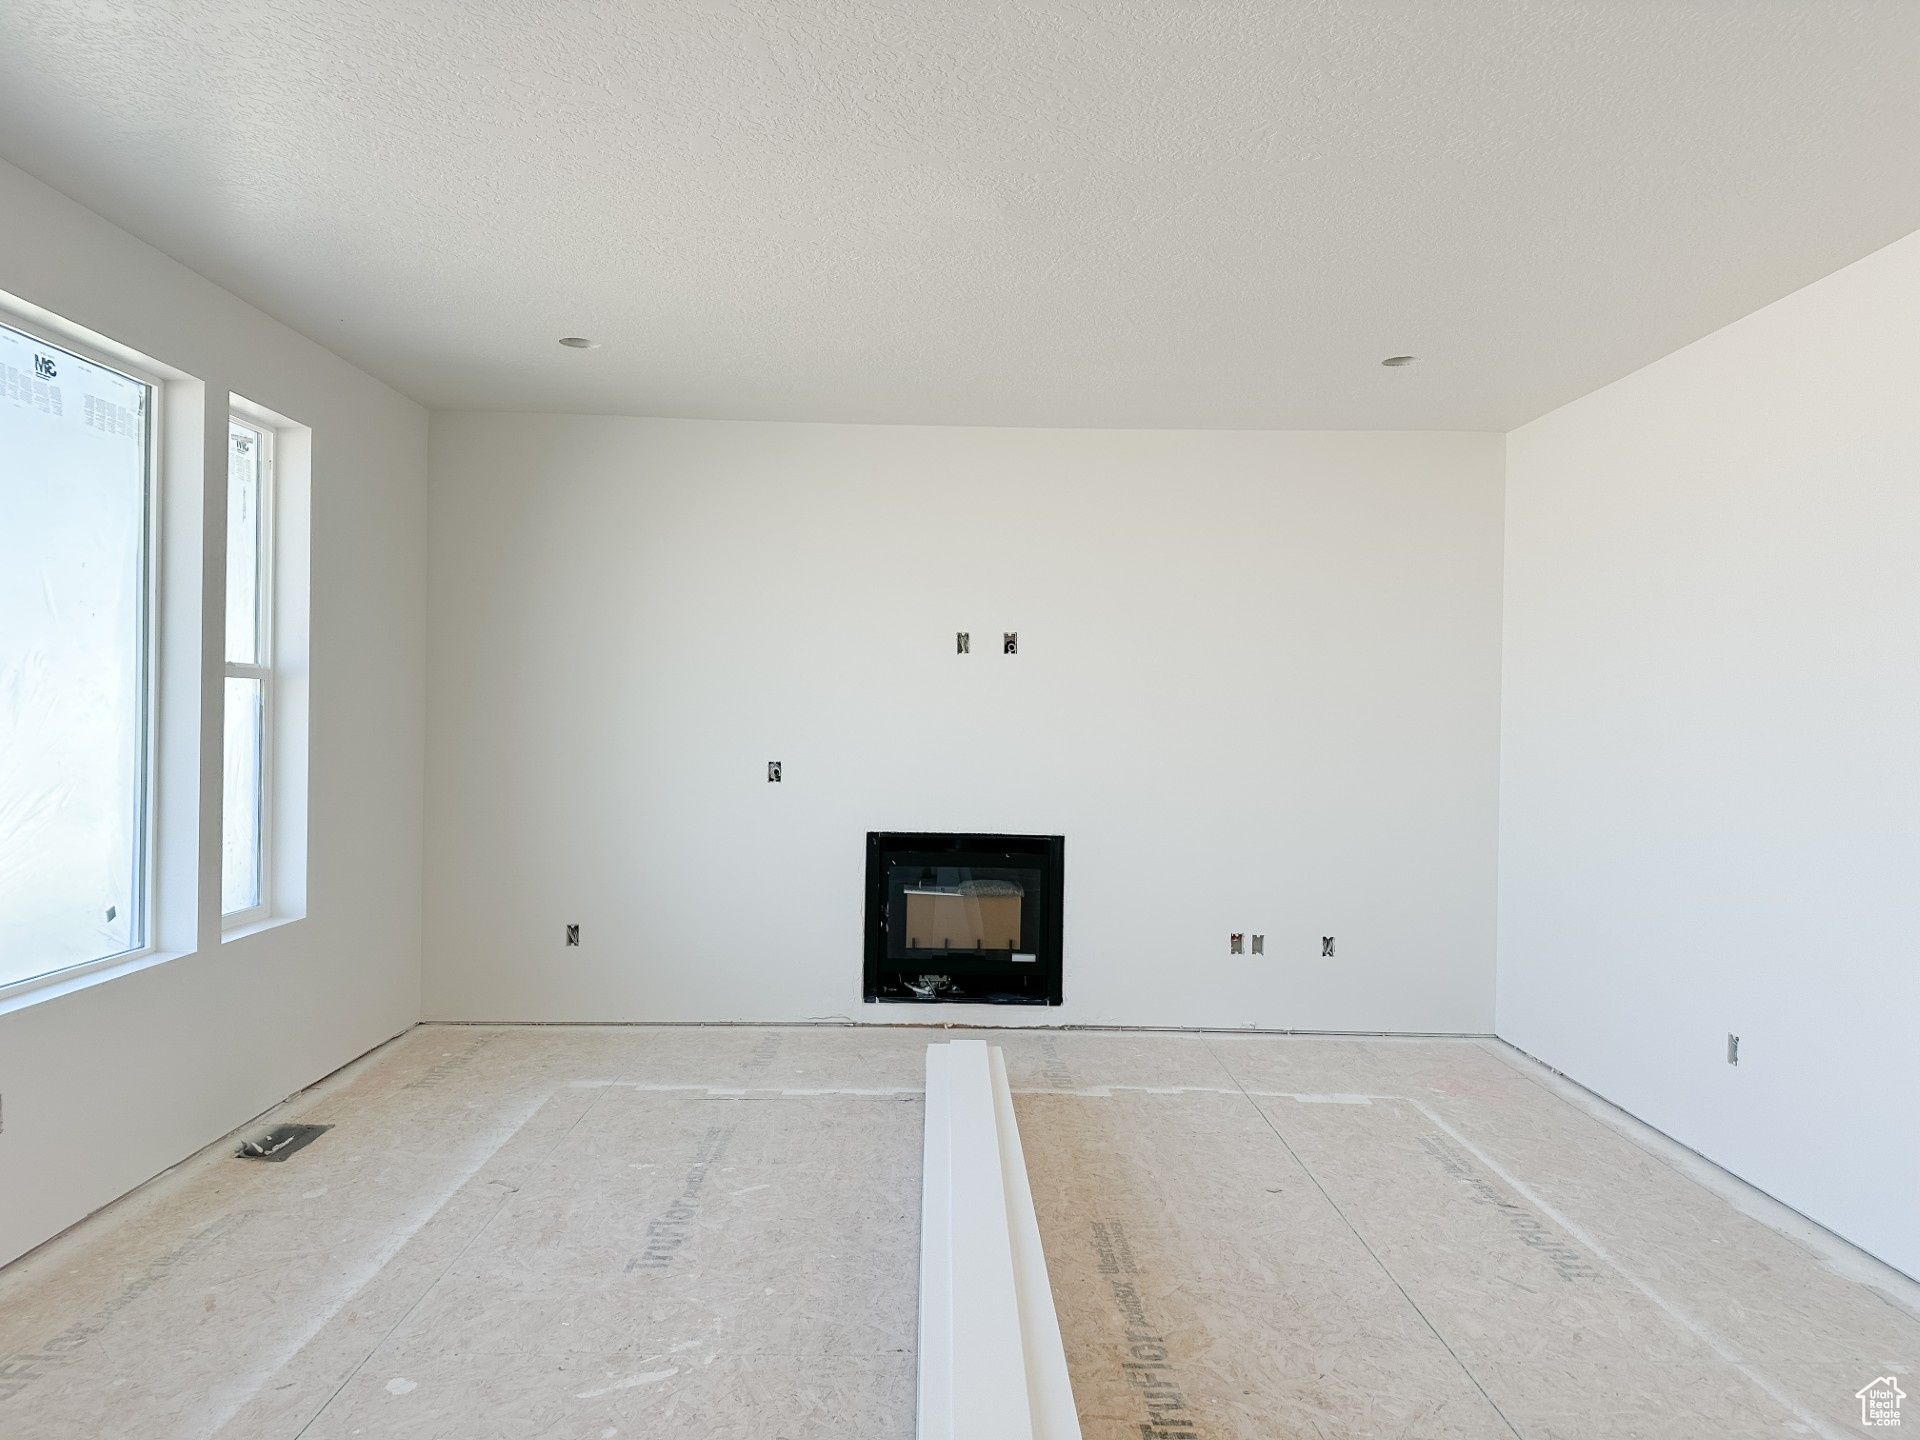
[(976, 978)]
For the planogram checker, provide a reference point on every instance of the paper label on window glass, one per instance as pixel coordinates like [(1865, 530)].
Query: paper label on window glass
[(244, 544), (73, 516), (241, 815)]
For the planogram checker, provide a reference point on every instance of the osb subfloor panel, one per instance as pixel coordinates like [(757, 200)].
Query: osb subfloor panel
[(578, 1233)]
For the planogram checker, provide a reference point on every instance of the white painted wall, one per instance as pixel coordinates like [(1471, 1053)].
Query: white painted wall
[(1257, 690), (1710, 771), (107, 1084)]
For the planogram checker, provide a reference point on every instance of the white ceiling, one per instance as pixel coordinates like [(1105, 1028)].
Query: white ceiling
[(1166, 213)]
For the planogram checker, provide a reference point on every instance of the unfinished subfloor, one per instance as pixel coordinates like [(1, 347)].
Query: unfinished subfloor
[(585, 1233)]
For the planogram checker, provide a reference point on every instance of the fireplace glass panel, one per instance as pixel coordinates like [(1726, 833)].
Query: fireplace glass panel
[(957, 908)]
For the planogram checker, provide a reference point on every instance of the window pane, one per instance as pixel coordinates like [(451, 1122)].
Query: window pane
[(240, 821), (73, 500), (244, 446)]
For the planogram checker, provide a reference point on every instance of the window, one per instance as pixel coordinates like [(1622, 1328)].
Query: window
[(76, 465), (249, 673)]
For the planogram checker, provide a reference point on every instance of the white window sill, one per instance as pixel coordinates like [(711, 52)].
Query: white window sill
[(25, 993), (250, 923)]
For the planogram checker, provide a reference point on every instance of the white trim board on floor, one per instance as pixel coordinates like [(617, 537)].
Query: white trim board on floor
[(992, 1365)]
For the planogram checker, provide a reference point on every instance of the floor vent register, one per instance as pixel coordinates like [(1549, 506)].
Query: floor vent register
[(281, 1141)]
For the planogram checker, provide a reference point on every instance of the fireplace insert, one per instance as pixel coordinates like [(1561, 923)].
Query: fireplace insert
[(968, 919)]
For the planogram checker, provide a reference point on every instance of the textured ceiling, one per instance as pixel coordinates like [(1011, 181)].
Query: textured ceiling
[(1169, 213)]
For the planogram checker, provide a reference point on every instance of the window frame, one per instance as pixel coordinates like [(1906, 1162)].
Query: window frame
[(146, 869), (264, 615)]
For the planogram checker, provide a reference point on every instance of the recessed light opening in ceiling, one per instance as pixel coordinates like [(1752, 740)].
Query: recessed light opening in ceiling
[(579, 342), (1394, 359)]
